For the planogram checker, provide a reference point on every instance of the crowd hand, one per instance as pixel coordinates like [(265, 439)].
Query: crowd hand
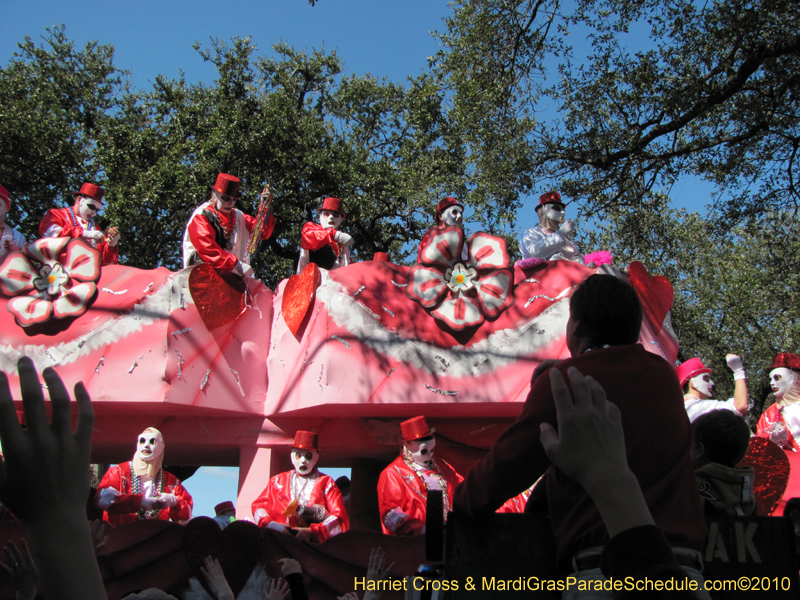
[(289, 566), (589, 445), (93, 234), (112, 235), (22, 570), (278, 589), (348, 596), (99, 540), (215, 579), (244, 269), (376, 572), (567, 227), (542, 367), (345, 239)]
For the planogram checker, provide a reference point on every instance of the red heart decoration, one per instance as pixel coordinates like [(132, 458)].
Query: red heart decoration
[(237, 547), (298, 296), (218, 295), (655, 292), (771, 477)]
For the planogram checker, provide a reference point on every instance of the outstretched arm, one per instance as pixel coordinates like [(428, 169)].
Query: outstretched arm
[(43, 481)]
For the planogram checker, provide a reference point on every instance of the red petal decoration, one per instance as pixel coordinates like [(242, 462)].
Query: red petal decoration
[(298, 296), (655, 292), (771, 473), (218, 295)]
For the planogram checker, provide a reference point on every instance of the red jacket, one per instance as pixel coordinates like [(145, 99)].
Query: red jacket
[(71, 226), (207, 245)]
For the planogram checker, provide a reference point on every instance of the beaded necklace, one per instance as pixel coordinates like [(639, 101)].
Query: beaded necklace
[(158, 487), (75, 223), (415, 468), (228, 227)]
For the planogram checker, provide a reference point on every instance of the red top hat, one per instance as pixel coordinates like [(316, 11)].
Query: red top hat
[(416, 428), (444, 204), (227, 185), (333, 204), (690, 368), (95, 192), (381, 257), (550, 198), (224, 507), (4, 197), (786, 361), (306, 440)]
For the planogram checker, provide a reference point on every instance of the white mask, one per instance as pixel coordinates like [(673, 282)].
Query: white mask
[(304, 461), (88, 208), (421, 451), (703, 384), (330, 219), (781, 381), (453, 216), (222, 202), (554, 212), (150, 445)]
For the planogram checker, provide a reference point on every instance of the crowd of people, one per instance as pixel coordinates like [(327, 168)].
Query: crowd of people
[(628, 457)]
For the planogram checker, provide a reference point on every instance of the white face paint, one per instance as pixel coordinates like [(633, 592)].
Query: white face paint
[(554, 212), (453, 216), (88, 208), (304, 461), (781, 380), (150, 445), (330, 219), (421, 451), (222, 202), (703, 384)]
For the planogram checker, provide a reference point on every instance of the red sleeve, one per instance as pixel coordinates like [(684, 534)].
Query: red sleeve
[(394, 492), (515, 460), (55, 216), (250, 222), (182, 511), (314, 237), (124, 503), (334, 504), (204, 240), (265, 502), (109, 255)]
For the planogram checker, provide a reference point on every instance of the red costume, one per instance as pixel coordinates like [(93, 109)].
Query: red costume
[(63, 222), (658, 441), (773, 426), (218, 239), (321, 244), (315, 489), (403, 492), (127, 506)]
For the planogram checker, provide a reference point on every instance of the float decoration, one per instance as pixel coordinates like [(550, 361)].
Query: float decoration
[(462, 293), (655, 292), (51, 278), (218, 295), (298, 296), (771, 467)]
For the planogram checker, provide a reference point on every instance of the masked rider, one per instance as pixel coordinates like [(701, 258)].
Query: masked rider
[(781, 421), (552, 239)]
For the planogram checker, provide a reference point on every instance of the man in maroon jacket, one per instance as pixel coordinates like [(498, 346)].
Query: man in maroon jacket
[(605, 317)]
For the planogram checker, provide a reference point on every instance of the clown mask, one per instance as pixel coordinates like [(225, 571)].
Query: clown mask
[(781, 380), (223, 202), (453, 216), (421, 451), (703, 384), (88, 208), (330, 219), (150, 445), (304, 461), (554, 212)]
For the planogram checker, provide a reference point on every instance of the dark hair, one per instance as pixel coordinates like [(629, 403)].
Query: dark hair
[(606, 311), (724, 435), (685, 387)]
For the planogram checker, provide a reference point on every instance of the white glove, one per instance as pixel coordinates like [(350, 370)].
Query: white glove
[(244, 269), (149, 503), (277, 526), (567, 227), (169, 500), (345, 239), (736, 365), (93, 234)]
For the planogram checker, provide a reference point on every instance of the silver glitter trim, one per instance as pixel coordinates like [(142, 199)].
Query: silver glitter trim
[(147, 289), (182, 302), (361, 289), (387, 310), (390, 371), (338, 339), (50, 356), (531, 300), (442, 360), (113, 292), (100, 364), (238, 382), (205, 379), (306, 362), (400, 285), (442, 392), (531, 280), (180, 363), (181, 331), (81, 343), (319, 380), (135, 364)]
